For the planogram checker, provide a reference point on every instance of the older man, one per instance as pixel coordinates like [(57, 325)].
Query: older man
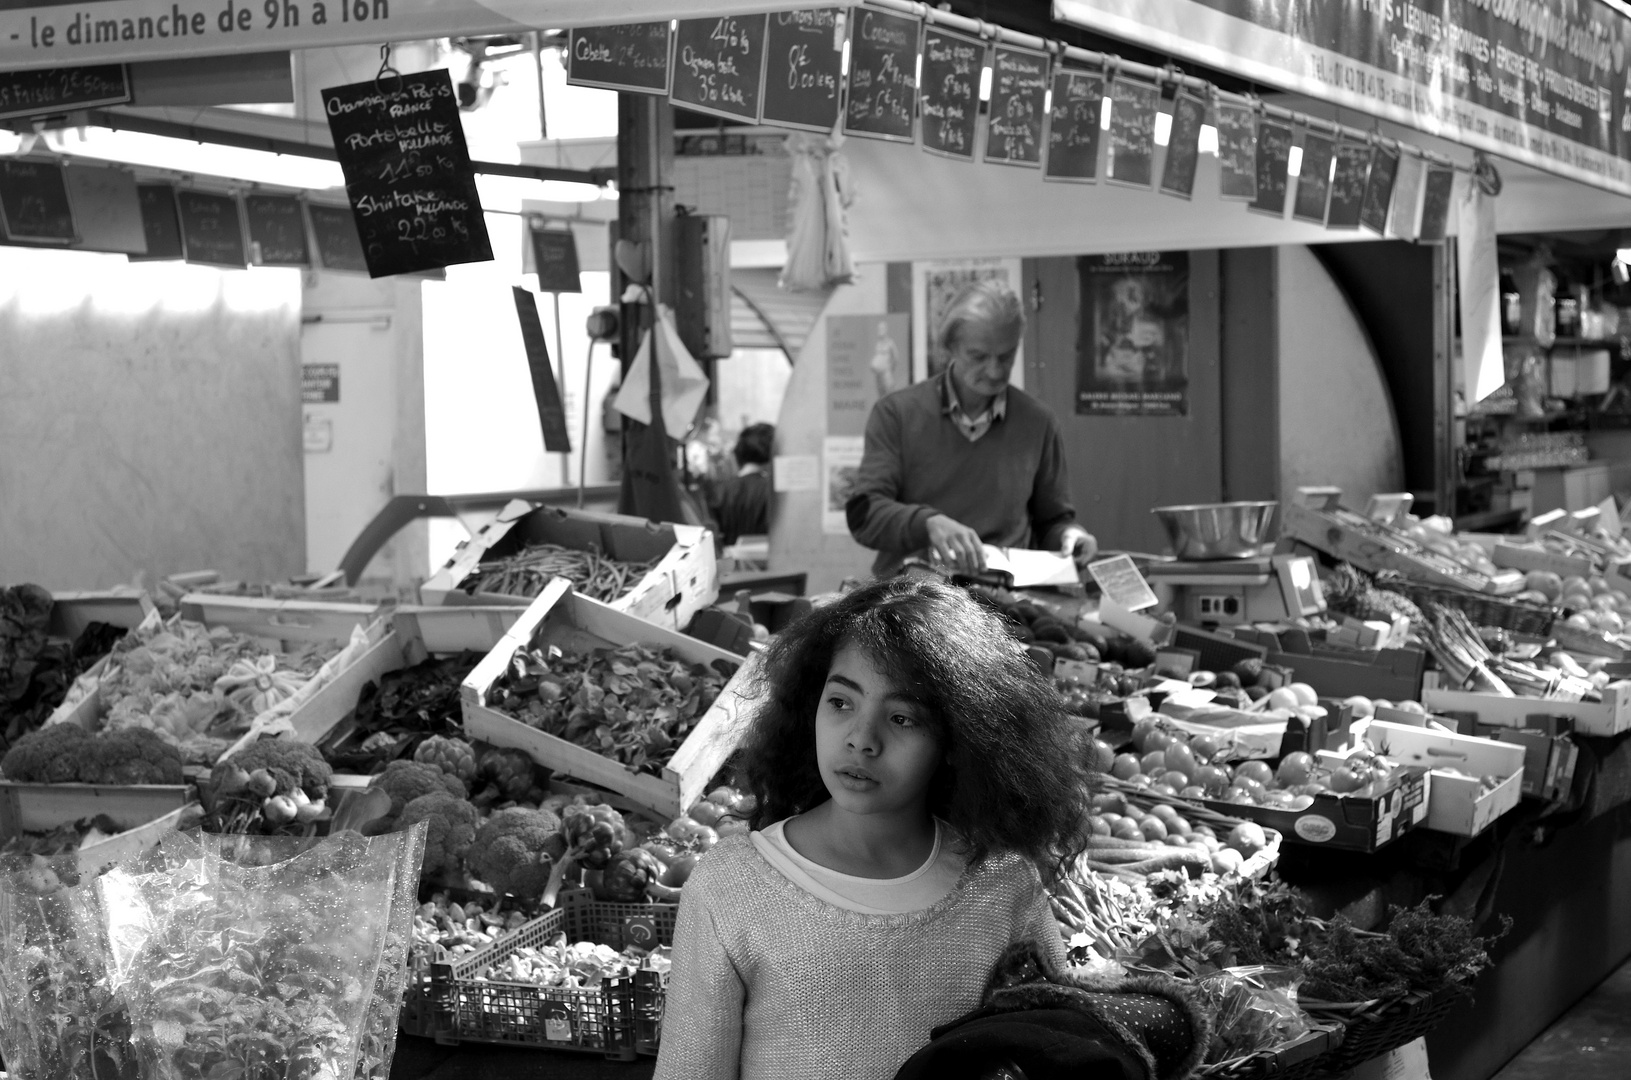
[(962, 459)]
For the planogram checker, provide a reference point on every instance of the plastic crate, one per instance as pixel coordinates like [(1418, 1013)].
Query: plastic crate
[(464, 1008), (1482, 608), (1387, 1027)]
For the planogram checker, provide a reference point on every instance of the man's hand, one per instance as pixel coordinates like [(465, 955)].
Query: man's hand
[(955, 545), (1079, 544)]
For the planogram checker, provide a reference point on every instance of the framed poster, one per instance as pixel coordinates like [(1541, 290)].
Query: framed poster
[(935, 284), (868, 357), (1132, 350)]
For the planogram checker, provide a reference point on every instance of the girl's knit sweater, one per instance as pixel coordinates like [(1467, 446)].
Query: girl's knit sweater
[(771, 982)]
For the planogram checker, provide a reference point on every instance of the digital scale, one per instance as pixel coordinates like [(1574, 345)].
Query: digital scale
[(1263, 588)]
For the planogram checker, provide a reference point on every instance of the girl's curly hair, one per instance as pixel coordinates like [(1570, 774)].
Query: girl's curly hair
[(1015, 776)]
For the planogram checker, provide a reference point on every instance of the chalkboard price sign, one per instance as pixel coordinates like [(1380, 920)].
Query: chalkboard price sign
[(1183, 144), (719, 66), (407, 173), (951, 92), (882, 102), (1133, 108), (212, 231), (1073, 127), (1237, 149), (34, 202), (1435, 204), (55, 90), (1314, 178), (1348, 185), (630, 57), (1384, 169), (160, 224), (1018, 108), (338, 245), (1273, 160), (545, 392), (277, 230), (555, 255), (803, 61)]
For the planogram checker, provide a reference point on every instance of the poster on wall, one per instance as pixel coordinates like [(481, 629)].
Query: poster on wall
[(840, 465), (935, 284), (1132, 355), (867, 358)]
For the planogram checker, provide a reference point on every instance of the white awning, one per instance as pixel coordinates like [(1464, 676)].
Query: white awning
[(50, 35)]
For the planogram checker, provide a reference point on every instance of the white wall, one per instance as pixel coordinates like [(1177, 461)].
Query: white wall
[(149, 420), (1336, 420)]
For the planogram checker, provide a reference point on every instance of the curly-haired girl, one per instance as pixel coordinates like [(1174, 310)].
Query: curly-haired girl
[(913, 774)]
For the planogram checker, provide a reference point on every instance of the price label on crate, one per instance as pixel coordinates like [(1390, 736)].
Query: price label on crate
[(640, 931), (557, 1022), (1075, 670)]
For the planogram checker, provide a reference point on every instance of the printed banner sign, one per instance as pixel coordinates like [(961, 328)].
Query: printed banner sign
[(1544, 82), (59, 33)]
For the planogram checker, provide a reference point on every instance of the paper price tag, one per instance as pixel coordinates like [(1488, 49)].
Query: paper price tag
[(640, 931), (1075, 671), (1120, 580), (557, 1023)]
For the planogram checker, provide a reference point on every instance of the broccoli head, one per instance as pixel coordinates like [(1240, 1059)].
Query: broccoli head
[(290, 764), (516, 849), (51, 755), (405, 781), (452, 829), (67, 753)]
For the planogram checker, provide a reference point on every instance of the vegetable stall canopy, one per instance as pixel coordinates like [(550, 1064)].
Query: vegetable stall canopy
[(64, 33)]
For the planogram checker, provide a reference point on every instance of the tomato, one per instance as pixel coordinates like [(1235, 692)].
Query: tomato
[(1295, 768), (707, 813), (1125, 767), (1211, 777), (1153, 762), (686, 830), (663, 852), (1345, 780), (1181, 756), (1255, 770), (679, 871)]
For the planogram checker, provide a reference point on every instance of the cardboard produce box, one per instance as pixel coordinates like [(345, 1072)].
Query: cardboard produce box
[(1456, 804), (1346, 822), (562, 618), (1610, 716), (684, 580)]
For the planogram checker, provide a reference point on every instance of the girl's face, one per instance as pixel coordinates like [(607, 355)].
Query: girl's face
[(873, 744)]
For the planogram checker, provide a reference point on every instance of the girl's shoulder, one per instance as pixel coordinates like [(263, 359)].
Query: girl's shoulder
[(730, 862)]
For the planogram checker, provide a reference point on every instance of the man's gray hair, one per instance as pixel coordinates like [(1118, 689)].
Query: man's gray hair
[(986, 300)]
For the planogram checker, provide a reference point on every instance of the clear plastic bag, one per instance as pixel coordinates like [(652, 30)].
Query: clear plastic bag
[(218, 957), (1254, 1008)]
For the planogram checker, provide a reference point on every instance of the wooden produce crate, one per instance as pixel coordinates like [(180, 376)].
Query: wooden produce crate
[(144, 812), (288, 623), (72, 612), (1610, 716), (1390, 674), (563, 618), (1455, 803), (684, 581), (1354, 538)]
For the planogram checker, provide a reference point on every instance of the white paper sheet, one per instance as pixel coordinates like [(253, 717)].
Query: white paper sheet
[(1030, 567)]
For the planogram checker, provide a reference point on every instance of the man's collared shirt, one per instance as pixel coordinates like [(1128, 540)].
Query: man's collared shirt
[(972, 428)]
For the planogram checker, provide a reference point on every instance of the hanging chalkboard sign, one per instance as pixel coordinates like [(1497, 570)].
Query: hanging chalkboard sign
[(160, 225), (1348, 185), (1273, 160), (1073, 127), (1237, 149), (407, 173), (882, 84), (545, 392), (1314, 178), (277, 230), (57, 90), (1131, 155), (1435, 203), (338, 245), (633, 56), (719, 66), (1384, 169), (1183, 144), (1018, 108), (951, 91), (555, 256), (34, 203), (803, 63), (212, 230)]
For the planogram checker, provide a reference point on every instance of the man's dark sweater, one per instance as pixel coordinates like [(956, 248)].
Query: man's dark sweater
[(1010, 485)]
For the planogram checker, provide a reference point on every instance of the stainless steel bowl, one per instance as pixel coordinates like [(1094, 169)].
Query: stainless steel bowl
[(1232, 530)]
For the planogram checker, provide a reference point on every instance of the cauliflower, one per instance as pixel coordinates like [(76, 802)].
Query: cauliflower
[(405, 781), (516, 849), (289, 764), (453, 756), (452, 829), (66, 753)]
